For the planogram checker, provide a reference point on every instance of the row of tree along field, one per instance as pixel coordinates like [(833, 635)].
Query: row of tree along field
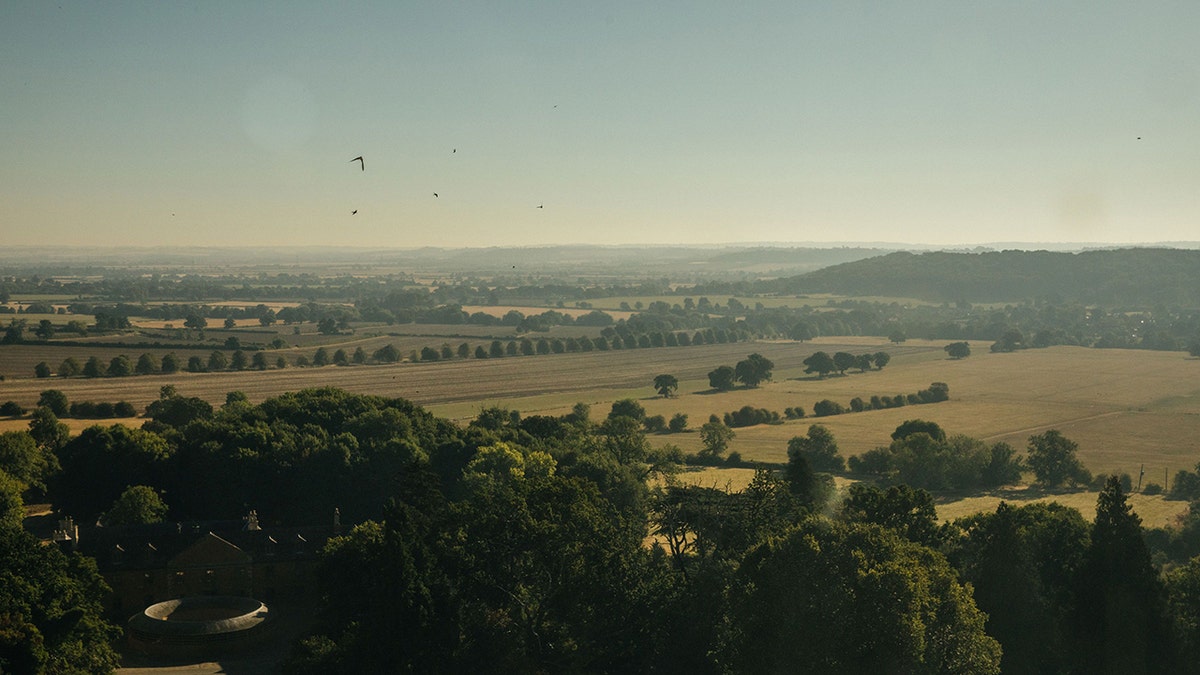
[(460, 531), (218, 360)]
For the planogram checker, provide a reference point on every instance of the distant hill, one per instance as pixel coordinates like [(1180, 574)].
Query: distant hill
[(1132, 276)]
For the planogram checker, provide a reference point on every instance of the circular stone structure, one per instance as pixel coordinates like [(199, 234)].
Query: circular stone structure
[(198, 624)]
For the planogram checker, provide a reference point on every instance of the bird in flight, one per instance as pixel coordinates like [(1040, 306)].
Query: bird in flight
[(435, 194), (360, 161), (539, 206), (354, 212)]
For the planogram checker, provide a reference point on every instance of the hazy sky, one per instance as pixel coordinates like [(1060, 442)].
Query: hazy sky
[(222, 123)]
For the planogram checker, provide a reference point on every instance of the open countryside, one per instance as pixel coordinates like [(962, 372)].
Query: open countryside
[(687, 428)]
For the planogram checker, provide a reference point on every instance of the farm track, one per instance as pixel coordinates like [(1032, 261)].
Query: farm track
[(1056, 423)]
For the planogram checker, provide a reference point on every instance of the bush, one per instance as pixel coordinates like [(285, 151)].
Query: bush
[(656, 424), (678, 423), (748, 416), (11, 409), (1152, 489), (794, 413), (877, 462), (1186, 486), (825, 407), (627, 407)]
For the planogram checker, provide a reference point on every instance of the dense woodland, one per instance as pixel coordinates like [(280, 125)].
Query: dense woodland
[(520, 544)]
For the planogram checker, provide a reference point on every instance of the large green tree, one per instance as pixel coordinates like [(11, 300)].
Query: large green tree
[(665, 385), (22, 459), (1052, 458), (721, 378), (715, 437), (1119, 610), (47, 431), (958, 350), (69, 367), (820, 363), (99, 463), (753, 370), (819, 448), (844, 361), (55, 401), (850, 598), (1022, 562), (907, 512), (51, 618), (137, 505), (146, 365)]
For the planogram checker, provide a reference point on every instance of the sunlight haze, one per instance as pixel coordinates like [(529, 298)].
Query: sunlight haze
[(234, 124)]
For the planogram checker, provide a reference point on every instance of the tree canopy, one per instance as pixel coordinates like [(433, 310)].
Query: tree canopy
[(666, 385), (824, 599)]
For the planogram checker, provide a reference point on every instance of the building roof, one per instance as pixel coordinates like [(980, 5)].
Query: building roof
[(211, 550)]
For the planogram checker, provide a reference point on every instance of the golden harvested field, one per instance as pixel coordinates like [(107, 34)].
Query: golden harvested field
[(567, 377), (75, 425), (1154, 510), (1124, 408)]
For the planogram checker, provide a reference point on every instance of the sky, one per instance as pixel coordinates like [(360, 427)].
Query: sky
[(535, 123)]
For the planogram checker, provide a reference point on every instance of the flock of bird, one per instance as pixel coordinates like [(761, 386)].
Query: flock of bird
[(362, 166)]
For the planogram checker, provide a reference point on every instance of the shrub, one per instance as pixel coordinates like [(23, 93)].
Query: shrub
[(877, 462), (825, 407), (748, 416), (1152, 489), (11, 409), (1186, 486), (678, 422)]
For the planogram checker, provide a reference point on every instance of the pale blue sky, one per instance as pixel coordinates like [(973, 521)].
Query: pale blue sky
[(231, 123)]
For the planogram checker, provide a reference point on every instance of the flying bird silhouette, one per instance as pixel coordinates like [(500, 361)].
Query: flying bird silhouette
[(435, 194), (354, 212), (539, 206), (361, 163)]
